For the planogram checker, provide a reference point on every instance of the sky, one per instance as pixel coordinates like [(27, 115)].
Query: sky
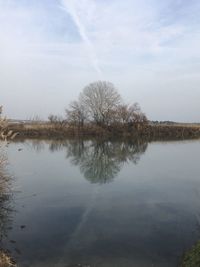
[(149, 49)]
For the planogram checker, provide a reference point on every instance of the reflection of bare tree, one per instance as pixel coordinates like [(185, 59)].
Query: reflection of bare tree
[(101, 161), (37, 145), (96, 160), (56, 145)]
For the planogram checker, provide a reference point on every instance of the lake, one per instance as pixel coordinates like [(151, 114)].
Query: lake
[(103, 204)]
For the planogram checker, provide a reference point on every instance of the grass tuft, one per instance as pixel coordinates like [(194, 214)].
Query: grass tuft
[(6, 261), (192, 257)]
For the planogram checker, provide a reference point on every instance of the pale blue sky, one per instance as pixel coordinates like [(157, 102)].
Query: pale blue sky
[(51, 49)]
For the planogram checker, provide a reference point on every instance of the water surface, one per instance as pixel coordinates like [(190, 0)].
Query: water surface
[(126, 204)]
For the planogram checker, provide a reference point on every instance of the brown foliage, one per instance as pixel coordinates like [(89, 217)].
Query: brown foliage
[(5, 134), (5, 260)]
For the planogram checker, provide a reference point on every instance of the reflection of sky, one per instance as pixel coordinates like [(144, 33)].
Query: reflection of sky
[(148, 214)]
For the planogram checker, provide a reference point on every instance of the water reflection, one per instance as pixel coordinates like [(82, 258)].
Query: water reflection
[(147, 217), (100, 162)]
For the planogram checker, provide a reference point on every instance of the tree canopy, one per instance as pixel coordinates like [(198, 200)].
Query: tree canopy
[(100, 103)]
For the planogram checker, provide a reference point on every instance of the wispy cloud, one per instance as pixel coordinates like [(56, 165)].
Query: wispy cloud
[(148, 48), (127, 30), (71, 7)]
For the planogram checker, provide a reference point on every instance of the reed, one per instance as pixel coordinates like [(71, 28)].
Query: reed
[(5, 260), (147, 131)]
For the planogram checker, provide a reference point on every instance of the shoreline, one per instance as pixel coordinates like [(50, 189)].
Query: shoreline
[(147, 132)]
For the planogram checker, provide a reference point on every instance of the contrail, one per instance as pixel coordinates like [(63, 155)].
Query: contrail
[(75, 239), (68, 6)]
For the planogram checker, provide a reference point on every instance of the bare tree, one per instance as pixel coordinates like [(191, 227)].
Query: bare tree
[(131, 114), (57, 120), (77, 113), (101, 103), (52, 118), (100, 99)]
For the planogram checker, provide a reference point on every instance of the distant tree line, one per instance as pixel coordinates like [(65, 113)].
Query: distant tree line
[(100, 104)]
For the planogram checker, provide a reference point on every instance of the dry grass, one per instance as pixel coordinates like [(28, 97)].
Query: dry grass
[(5, 133), (5, 260), (45, 130)]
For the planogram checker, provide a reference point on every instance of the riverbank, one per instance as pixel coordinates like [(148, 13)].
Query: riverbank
[(150, 132)]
